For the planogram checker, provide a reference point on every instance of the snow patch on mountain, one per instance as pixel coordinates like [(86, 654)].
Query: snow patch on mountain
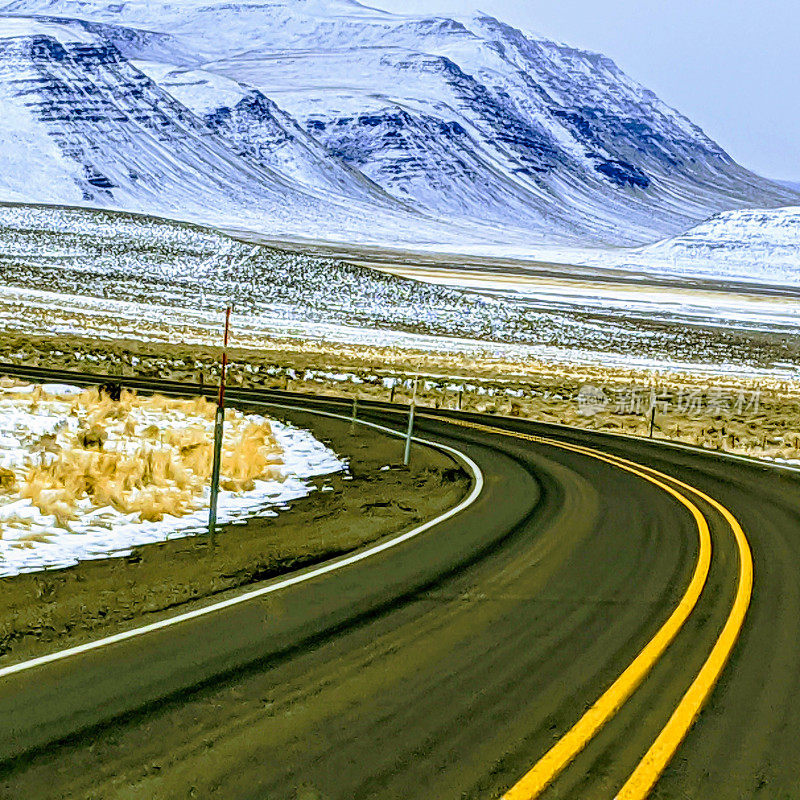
[(11, 28), (203, 92)]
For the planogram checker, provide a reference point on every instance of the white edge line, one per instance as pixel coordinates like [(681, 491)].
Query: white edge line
[(292, 580)]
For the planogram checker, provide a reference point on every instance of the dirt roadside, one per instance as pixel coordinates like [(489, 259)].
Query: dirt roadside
[(43, 612)]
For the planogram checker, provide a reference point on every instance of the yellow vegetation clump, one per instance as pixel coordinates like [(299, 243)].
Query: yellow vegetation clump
[(117, 458), (250, 457), (35, 398), (8, 480), (153, 504)]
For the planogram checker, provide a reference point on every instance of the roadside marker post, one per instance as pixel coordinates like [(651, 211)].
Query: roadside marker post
[(407, 453), (355, 410), (219, 425), (653, 407)]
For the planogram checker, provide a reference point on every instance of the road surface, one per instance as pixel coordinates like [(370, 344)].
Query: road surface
[(453, 663)]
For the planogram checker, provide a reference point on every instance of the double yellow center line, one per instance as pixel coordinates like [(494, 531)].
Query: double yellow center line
[(655, 761)]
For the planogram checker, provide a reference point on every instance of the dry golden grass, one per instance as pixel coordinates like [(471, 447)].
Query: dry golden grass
[(29, 539), (248, 459), (35, 399), (8, 480), (114, 459)]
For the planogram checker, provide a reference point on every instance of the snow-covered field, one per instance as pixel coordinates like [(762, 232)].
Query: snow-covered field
[(64, 499), (635, 299), (117, 276), (738, 270), (144, 272)]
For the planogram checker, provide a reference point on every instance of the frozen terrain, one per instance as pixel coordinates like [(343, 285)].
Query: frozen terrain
[(86, 273), (32, 539), (739, 268), (331, 120)]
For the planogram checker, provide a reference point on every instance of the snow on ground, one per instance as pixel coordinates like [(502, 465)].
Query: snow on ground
[(635, 299), (116, 276), (48, 314), (36, 423)]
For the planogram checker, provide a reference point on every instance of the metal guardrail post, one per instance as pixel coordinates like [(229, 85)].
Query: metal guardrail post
[(219, 425), (407, 452)]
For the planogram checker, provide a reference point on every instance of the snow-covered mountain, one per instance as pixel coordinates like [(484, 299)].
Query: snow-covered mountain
[(254, 127), (761, 245), (82, 125), (342, 118)]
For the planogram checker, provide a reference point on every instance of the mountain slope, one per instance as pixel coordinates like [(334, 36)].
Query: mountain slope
[(81, 125), (755, 244), (107, 133), (254, 127), (465, 119)]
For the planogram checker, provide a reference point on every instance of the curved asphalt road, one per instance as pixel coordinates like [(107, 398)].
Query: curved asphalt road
[(447, 666)]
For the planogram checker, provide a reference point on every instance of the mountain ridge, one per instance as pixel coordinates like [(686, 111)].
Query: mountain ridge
[(467, 120)]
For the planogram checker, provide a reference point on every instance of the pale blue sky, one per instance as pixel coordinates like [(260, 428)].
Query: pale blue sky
[(732, 66)]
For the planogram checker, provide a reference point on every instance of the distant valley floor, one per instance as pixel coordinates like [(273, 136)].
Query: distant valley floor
[(109, 276)]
